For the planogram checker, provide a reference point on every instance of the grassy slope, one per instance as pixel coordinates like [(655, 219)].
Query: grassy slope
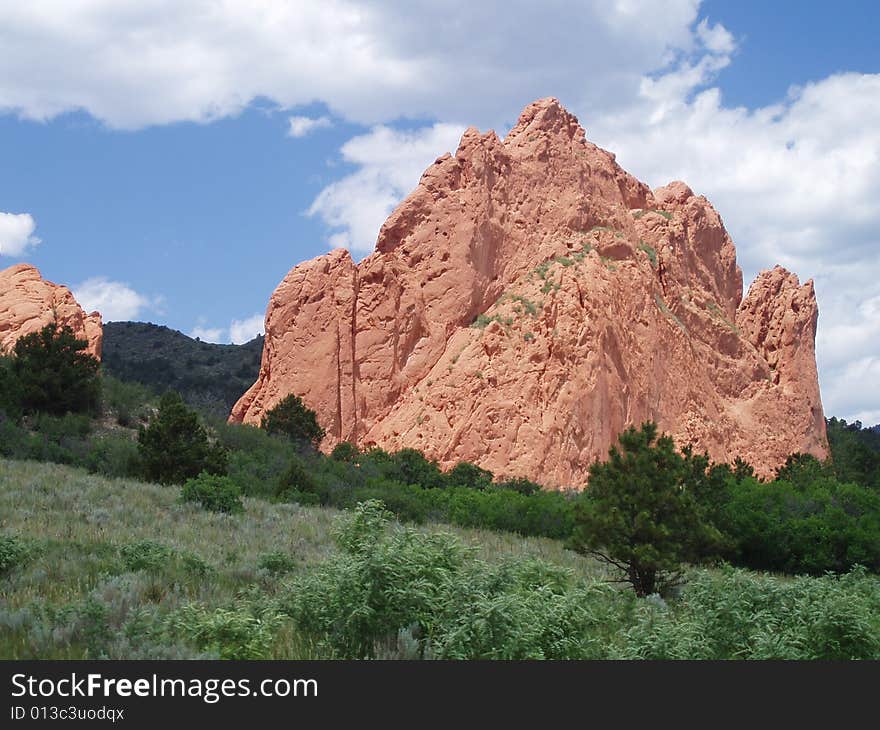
[(77, 594), (75, 523)]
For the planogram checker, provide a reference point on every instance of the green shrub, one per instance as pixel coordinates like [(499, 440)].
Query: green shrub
[(523, 609), (276, 563), (802, 470), (529, 307), (10, 392), (519, 484), (154, 557), (386, 579), (113, 456), (407, 502), (649, 250), (16, 442), (146, 555), (308, 499), (297, 481), (70, 427), (45, 437), (345, 451), (257, 471), (465, 474), (409, 466), (215, 493), (736, 614), (256, 459), (128, 402), (175, 446), (242, 631), (549, 514), (12, 553), (13, 440)]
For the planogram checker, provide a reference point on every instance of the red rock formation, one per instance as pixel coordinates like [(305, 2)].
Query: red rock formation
[(528, 301), (28, 303)]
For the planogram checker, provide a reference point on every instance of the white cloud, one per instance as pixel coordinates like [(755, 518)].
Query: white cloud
[(148, 62), (390, 163), (244, 330), (239, 331), (115, 300), (208, 334), (853, 382), (716, 38), (17, 233), (301, 126)]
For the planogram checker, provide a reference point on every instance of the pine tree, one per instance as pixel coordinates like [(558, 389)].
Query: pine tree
[(175, 446), (639, 513), (292, 418), (54, 374)]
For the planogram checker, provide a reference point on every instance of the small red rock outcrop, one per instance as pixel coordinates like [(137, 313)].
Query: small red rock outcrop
[(28, 303), (528, 301)]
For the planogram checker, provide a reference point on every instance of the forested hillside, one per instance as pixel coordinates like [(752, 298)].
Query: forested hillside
[(208, 376)]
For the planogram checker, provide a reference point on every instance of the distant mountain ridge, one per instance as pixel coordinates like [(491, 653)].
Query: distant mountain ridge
[(209, 376)]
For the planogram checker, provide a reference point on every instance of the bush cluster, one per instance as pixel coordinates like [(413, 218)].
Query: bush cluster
[(392, 586), (390, 579), (804, 521), (12, 553), (415, 489), (213, 492)]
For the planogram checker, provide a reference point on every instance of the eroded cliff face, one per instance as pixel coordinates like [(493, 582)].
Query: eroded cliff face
[(28, 303), (528, 301)]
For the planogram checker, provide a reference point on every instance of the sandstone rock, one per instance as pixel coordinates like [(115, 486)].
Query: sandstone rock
[(28, 303), (528, 301)]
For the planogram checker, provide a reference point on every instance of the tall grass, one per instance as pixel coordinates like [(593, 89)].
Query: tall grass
[(119, 568), (97, 567)]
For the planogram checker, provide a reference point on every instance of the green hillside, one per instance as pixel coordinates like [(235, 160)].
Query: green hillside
[(107, 566), (262, 547), (96, 567), (209, 377)]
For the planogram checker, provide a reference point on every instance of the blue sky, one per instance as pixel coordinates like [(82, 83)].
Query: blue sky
[(202, 219), (171, 161), (789, 42)]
